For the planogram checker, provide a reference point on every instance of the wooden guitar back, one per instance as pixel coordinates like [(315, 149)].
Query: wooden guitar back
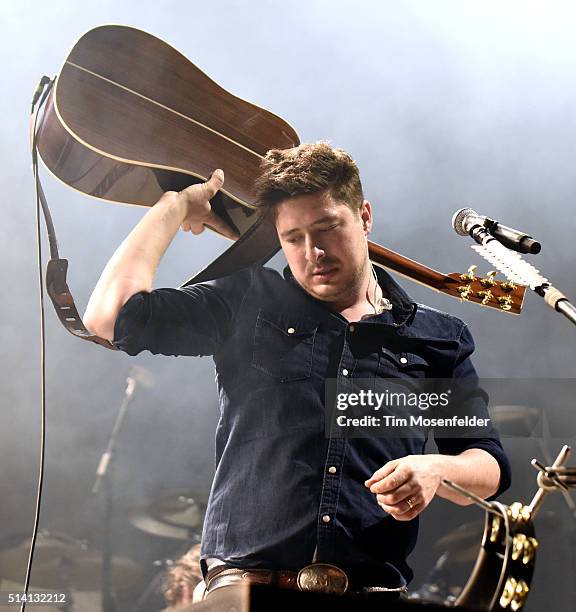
[(127, 96)]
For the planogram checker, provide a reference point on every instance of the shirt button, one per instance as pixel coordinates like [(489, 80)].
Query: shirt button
[(290, 330), (344, 372), (332, 469), (351, 328), (403, 360), (326, 518)]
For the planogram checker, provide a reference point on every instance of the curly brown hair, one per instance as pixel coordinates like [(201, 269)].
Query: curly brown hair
[(307, 168), (185, 571)]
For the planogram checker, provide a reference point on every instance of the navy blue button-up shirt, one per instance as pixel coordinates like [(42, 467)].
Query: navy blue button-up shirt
[(284, 494)]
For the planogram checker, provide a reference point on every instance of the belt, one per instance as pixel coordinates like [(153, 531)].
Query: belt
[(318, 577)]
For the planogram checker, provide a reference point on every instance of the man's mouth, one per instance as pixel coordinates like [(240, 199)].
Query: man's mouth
[(323, 273)]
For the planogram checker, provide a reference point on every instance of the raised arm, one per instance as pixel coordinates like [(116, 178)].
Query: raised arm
[(132, 267)]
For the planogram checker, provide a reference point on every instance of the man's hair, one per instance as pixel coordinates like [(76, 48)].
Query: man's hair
[(306, 169)]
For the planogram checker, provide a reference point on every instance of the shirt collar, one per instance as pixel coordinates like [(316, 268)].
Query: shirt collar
[(403, 306)]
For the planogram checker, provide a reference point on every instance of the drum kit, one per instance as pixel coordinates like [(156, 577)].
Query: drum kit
[(497, 580), (500, 580), (71, 567)]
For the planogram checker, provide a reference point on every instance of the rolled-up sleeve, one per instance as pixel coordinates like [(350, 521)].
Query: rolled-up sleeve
[(192, 320), (490, 441)]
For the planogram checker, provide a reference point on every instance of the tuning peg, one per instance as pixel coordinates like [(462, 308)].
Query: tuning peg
[(488, 280), (470, 276), (505, 302), (485, 295), (508, 286), (464, 291)]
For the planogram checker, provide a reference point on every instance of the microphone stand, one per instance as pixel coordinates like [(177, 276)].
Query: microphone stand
[(557, 300), (514, 267), (104, 473)]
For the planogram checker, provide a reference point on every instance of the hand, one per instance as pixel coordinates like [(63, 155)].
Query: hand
[(197, 210), (404, 487)]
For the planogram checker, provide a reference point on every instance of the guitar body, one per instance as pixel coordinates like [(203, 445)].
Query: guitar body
[(150, 121)]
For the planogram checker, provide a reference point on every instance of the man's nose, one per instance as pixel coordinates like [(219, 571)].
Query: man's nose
[(313, 251)]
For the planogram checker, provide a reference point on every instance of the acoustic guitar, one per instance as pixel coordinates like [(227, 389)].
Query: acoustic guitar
[(129, 117)]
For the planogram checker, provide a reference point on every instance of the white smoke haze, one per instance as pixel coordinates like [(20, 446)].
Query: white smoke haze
[(443, 104)]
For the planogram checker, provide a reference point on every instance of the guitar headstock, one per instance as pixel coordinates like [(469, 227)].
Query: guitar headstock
[(486, 290)]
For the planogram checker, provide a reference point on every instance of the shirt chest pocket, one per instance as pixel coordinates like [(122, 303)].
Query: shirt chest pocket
[(284, 345), (402, 363)]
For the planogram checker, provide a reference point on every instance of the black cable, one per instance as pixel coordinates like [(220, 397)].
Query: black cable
[(37, 93)]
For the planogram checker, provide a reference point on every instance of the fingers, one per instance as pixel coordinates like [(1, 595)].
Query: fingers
[(200, 213), (405, 510), (202, 192), (396, 492), (214, 183), (384, 471), (215, 223), (391, 482), (398, 495), (211, 187)]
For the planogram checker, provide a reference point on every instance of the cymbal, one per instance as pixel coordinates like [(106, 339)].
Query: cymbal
[(463, 543), (178, 515), (141, 520), (463, 534), (515, 419), (48, 546), (61, 562)]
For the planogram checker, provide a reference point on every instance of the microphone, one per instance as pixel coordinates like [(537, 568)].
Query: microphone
[(467, 222), (142, 375)]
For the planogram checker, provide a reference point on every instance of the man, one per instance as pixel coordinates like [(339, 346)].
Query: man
[(285, 496)]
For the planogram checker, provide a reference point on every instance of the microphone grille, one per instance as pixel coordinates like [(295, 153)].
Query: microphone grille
[(459, 218), (143, 376)]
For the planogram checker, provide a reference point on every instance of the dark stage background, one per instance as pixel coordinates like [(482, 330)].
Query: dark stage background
[(443, 104)]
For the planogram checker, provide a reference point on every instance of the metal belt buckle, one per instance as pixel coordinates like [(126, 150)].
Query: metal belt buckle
[(323, 578)]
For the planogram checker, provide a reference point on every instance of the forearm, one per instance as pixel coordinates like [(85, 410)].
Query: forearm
[(474, 469), (132, 267)]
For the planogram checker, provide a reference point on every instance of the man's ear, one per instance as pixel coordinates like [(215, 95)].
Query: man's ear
[(366, 216)]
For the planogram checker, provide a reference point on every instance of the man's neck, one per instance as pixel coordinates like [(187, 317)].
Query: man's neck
[(370, 301)]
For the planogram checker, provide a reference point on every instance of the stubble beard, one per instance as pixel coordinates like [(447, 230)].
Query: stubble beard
[(351, 291)]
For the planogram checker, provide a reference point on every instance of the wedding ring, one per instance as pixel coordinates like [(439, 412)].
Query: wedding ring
[(410, 503)]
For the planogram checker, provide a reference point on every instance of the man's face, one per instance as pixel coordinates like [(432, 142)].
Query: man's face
[(325, 244)]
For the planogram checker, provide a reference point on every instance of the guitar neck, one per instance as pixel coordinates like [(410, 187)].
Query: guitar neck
[(406, 266)]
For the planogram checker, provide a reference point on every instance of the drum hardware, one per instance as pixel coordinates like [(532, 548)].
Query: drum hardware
[(521, 420), (103, 474), (436, 588), (502, 575)]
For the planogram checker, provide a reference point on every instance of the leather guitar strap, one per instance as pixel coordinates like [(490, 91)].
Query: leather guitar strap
[(56, 270)]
